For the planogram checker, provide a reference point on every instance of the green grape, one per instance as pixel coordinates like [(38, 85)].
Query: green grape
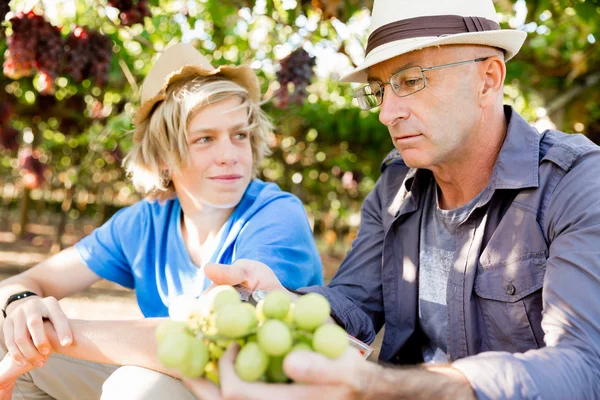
[(303, 337), (330, 340), (225, 343), (234, 320), (194, 324), (225, 297), (168, 327), (311, 311), (210, 326), (215, 351), (251, 338), (260, 315), (275, 370), (211, 372), (289, 317), (198, 360), (251, 362), (301, 346), (277, 305), (252, 313), (174, 349), (274, 338)]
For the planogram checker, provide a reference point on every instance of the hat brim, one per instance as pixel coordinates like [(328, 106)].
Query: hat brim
[(243, 75), (508, 40)]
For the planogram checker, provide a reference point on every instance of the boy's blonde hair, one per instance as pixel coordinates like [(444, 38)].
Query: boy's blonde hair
[(163, 148)]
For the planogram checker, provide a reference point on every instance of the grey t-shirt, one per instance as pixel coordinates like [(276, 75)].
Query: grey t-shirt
[(437, 254)]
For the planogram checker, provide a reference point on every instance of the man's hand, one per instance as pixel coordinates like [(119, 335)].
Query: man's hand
[(320, 377), (251, 275), (23, 329), (349, 377)]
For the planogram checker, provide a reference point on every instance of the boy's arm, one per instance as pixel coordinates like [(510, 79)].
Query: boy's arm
[(127, 342)]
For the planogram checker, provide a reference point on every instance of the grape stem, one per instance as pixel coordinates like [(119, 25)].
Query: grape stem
[(304, 335), (214, 338)]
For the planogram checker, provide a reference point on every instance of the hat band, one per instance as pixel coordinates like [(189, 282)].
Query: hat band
[(435, 25)]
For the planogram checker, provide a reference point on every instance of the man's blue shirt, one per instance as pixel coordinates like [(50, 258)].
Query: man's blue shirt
[(141, 247)]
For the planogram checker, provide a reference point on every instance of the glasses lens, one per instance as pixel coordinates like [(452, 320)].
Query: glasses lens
[(407, 81), (369, 96)]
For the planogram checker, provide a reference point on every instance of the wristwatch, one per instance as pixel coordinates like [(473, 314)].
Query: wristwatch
[(15, 297)]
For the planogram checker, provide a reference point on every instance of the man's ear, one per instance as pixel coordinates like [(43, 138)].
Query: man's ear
[(492, 72)]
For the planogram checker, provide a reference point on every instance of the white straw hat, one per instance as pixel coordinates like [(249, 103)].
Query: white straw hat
[(402, 26)]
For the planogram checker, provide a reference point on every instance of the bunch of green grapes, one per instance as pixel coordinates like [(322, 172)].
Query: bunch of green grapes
[(266, 333)]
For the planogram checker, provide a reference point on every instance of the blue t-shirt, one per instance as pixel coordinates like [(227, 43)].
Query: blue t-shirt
[(141, 247)]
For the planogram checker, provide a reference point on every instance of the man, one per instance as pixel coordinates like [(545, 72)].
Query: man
[(478, 246)]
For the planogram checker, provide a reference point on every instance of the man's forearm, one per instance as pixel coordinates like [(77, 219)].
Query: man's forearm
[(417, 383), (129, 342)]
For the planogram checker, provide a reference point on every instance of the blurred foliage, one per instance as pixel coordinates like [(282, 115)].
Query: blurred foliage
[(558, 68), (326, 150)]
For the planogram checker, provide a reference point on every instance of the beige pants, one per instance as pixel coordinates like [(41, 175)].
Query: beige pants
[(66, 378)]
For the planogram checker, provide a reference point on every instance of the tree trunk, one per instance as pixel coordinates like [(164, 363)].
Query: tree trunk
[(62, 223), (24, 218)]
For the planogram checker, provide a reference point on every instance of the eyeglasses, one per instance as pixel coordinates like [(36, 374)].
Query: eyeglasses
[(404, 83)]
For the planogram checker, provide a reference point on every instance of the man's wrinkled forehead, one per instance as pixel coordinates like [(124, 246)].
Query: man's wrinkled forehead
[(423, 58), (383, 70)]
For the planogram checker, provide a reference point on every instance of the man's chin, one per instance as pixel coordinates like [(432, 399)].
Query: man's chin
[(414, 158)]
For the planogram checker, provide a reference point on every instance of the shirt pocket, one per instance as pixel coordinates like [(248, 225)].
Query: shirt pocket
[(509, 296)]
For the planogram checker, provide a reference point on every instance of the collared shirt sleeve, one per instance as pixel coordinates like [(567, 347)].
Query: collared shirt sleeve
[(355, 291), (569, 366)]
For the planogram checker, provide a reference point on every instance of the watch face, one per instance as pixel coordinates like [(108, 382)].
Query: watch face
[(364, 349)]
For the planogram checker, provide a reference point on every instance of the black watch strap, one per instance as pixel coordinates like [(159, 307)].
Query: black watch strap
[(15, 297)]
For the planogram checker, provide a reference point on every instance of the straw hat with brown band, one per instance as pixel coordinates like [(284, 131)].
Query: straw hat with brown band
[(402, 26), (182, 61)]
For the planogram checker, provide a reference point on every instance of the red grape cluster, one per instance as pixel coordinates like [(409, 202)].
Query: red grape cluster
[(131, 12), (35, 45), (5, 111), (8, 134), (297, 68), (22, 46), (49, 53), (31, 168), (88, 55), (8, 137)]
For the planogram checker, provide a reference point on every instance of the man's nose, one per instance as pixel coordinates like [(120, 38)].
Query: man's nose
[(393, 108)]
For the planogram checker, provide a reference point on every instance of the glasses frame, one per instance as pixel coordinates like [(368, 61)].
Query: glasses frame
[(382, 84)]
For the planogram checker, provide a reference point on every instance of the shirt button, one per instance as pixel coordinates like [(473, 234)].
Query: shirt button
[(510, 289)]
